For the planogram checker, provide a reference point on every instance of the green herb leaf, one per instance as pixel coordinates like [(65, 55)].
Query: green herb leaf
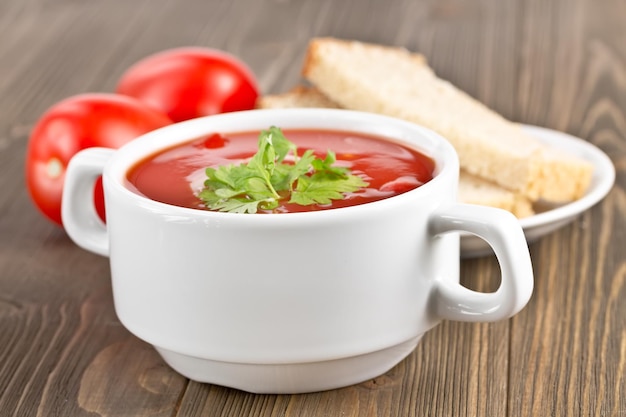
[(323, 187), (326, 165), (268, 178)]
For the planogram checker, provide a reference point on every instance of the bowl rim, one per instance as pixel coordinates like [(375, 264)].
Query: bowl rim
[(389, 128)]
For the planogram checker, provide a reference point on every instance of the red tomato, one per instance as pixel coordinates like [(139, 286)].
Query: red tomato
[(79, 122), (186, 83)]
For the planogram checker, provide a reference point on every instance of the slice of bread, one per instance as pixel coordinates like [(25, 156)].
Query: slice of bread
[(475, 190), (396, 82), (299, 96), (472, 189)]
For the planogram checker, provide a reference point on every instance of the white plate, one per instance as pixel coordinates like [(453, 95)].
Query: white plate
[(548, 221)]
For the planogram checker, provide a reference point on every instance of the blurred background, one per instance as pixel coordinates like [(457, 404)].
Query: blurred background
[(509, 54)]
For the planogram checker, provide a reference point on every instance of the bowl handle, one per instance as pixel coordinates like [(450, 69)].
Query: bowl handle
[(502, 231), (80, 219)]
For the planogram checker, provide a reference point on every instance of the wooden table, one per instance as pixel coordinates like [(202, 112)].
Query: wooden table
[(559, 64)]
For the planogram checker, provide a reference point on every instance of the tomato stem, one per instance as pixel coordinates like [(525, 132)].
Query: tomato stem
[(54, 168)]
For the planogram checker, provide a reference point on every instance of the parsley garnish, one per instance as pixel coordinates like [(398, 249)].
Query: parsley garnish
[(266, 179)]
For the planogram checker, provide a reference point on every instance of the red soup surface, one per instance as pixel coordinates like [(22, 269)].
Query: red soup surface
[(175, 175)]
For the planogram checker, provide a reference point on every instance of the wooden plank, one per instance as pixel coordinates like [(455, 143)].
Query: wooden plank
[(570, 347)]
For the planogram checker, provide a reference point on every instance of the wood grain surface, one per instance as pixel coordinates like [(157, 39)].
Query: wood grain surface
[(559, 64)]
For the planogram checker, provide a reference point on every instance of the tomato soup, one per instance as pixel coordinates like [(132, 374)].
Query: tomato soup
[(176, 175)]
